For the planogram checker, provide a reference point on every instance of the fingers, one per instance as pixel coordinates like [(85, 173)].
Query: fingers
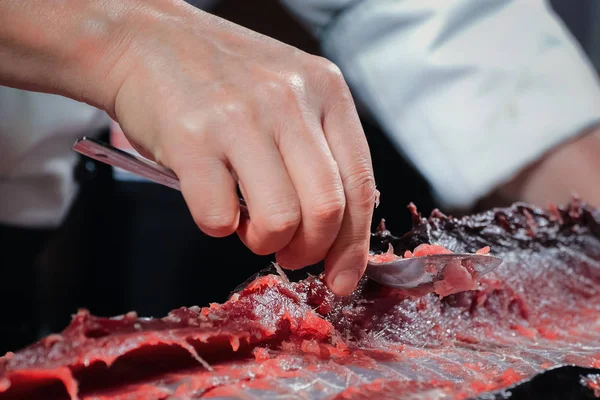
[(303, 166), (347, 258), (319, 186), (268, 190), (210, 193)]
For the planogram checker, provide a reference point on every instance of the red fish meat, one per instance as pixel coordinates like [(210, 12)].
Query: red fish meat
[(537, 311), (454, 277)]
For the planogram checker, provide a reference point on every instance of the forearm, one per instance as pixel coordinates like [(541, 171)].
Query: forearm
[(70, 47), (571, 169)]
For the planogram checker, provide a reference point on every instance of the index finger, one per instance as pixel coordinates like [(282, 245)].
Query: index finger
[(347, 258)]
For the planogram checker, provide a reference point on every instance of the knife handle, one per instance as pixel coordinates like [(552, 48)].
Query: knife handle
[(152, 171)]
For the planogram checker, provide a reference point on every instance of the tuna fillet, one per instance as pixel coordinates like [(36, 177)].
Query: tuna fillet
[(538, 311)]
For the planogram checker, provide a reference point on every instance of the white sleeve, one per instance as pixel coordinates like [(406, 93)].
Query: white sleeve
[(471, 91)]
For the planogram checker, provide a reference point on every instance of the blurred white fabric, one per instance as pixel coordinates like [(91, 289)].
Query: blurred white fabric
[(37, 132), (471, 91)]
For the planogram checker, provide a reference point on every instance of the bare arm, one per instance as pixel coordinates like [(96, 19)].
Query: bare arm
[(570, 169), (220, 105), (66, 47)]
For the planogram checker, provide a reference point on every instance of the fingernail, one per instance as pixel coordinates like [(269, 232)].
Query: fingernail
[(345, 282)]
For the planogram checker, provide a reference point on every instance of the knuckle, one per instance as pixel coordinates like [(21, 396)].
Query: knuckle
[(313, 257), (259, 247), (360, 185), (295, 82), (354, 247), (332, 73), (190, 136), (190, 130), (190, 127), (217, 223), (282, 221), (234, 110), (300, 256), (330, 207), (335, 73), (281, 90), (326, 65)]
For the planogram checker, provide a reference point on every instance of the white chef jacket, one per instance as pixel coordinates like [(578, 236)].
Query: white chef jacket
[(469, 90), (37, 132)]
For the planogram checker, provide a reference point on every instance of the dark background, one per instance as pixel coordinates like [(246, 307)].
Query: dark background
[(133, 246)]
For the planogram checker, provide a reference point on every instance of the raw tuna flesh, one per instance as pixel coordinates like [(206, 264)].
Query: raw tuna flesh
[(537, 311), (454, 277)]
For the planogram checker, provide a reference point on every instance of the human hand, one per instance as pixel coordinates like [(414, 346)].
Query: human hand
[(217, 103)]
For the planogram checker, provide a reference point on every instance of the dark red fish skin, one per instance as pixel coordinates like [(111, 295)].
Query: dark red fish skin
[(519, 227), (538, 310)]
